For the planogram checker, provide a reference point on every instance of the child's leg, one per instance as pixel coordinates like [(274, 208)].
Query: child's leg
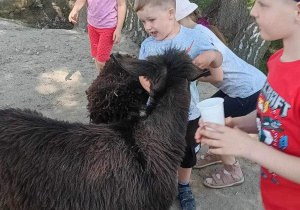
[(184, 175), (231, 106), (94, 40), (101, 41), (189, 159), (186, 198), (236, 107), (104, 46), (231, 174)]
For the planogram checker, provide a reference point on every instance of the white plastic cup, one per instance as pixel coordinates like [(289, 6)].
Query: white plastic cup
[(212, 110)]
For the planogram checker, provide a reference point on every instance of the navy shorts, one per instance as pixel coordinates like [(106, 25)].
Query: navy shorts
[(237, 107), (190, 159)]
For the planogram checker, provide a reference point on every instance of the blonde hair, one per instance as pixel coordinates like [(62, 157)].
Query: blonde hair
[(140, 4)]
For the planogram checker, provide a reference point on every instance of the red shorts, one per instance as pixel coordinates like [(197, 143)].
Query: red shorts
[(101, 42)]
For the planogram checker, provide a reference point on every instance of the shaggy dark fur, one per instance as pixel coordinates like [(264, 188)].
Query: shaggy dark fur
[(128, 165), (115, 95)]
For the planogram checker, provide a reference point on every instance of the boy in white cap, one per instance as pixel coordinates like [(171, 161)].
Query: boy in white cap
[(240, 87)]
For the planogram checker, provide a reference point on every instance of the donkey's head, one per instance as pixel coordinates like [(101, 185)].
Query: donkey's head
[(163, 70), (115, 95)]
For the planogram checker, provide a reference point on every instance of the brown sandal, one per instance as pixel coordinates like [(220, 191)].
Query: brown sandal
[(207, 160), (223, 178)]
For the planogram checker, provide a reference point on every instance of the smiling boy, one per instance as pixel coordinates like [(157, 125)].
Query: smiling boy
[(158, 18)]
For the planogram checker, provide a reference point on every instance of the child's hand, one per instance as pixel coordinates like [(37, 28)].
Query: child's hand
[(145, 83), (225, 140), (73, 17), (198, 131), (117, 36), (204, 59), (198, 136), (229, 122)]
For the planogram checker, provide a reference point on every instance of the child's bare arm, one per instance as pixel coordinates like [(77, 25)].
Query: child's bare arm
[(285, 165), (121, 13), (232, 141), (74, 13), (217, 62), (216, 75), (246, 123), (121, 17), (209, 58)]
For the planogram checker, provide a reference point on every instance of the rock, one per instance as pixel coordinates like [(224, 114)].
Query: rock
[(29, 52)]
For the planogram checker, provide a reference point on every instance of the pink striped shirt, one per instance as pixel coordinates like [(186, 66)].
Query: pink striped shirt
[(102, 13)]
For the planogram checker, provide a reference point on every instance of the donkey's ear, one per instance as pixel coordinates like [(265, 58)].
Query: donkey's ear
[(195, 72), (135, 66)]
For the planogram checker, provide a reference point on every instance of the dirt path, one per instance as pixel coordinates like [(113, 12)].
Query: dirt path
[(49, 71)]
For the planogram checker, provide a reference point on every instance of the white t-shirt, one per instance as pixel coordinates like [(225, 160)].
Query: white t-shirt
[(240, 78)]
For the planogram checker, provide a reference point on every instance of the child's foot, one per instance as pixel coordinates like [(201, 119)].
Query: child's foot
[(223, 178), (186, 198), (207, 160)]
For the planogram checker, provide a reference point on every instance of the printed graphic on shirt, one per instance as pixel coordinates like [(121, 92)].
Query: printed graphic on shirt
[(190, 47), (272, 108)]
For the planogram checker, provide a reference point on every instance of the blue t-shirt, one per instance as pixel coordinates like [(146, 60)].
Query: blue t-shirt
[(240, 79), (194, 41)]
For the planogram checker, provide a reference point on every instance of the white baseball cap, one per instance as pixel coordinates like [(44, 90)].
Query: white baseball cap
[(184, 8)]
